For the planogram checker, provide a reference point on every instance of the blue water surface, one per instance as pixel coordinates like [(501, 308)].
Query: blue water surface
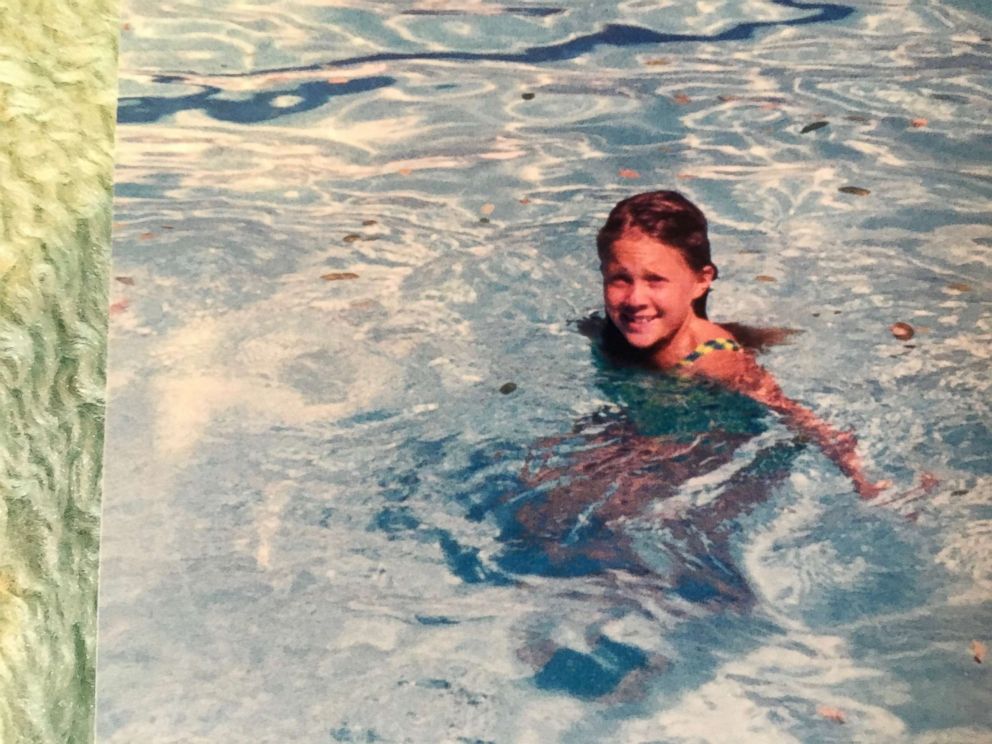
[(343, 229)]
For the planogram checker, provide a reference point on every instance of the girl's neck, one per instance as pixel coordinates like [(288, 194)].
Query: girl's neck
[(683, 342)]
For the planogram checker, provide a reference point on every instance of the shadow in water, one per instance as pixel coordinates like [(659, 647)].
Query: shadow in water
[(505, 10), (634, 511), (259, 107), (611, 35)]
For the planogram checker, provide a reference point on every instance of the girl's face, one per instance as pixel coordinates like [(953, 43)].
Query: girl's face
[(648, 289)]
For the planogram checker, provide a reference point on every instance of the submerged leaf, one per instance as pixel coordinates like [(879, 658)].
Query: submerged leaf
[(657, 61), (351, 237), (959, 286), (147, 235), (369, 223), (978, 651), (628, 173), (405, 171), (681, 99), (487, 208), (119, 307), (336, 276), (765, 278), (524, 200), (814, 126), (508, 388), (902, 331), (527, 96), (125, 280), (831, 714), (856, 190), (918, 123)]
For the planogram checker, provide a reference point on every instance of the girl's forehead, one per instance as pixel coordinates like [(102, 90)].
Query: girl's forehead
[(639, 251)]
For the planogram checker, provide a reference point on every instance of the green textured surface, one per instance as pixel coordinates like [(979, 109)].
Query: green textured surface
[(57, 105)]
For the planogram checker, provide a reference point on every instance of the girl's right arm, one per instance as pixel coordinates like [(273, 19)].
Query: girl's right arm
[(739, 371)]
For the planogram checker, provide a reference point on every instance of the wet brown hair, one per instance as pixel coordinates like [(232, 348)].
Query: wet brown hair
[(669, 218)]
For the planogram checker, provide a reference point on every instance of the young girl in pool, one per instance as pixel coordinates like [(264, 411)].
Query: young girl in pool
[(642, 498), (655, 259)]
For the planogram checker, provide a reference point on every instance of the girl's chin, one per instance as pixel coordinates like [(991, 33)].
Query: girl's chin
[(640, 340)]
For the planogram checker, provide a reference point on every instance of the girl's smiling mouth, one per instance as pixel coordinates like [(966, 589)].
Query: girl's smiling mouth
[(638, 321)]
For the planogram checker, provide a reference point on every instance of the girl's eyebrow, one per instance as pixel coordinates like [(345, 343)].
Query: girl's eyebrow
[(615, 271)]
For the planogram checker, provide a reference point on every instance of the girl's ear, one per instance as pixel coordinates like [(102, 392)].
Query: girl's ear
[(704, 278)]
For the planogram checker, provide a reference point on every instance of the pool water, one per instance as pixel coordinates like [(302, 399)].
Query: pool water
[(366, 481)]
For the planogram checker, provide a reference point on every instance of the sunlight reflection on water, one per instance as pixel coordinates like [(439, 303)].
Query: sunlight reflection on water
[(312, 513)]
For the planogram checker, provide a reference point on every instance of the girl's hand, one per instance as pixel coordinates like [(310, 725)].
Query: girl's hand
[(842, 448), (927, 485), (868, 490)]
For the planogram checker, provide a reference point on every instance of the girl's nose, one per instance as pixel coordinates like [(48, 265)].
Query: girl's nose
[(635, 297)]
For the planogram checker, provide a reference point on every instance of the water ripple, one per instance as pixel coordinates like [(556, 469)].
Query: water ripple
[(611, 35), (270, 104), (313, 415), (260, 107)]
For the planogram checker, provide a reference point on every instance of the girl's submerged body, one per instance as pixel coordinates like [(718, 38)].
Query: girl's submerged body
[(629, 466), (636, 513)]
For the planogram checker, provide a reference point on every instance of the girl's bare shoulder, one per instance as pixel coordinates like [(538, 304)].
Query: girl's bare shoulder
[(723, 364), (738, 369)]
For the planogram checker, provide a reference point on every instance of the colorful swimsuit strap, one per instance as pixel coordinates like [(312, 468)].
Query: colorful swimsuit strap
[(714, 344)]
